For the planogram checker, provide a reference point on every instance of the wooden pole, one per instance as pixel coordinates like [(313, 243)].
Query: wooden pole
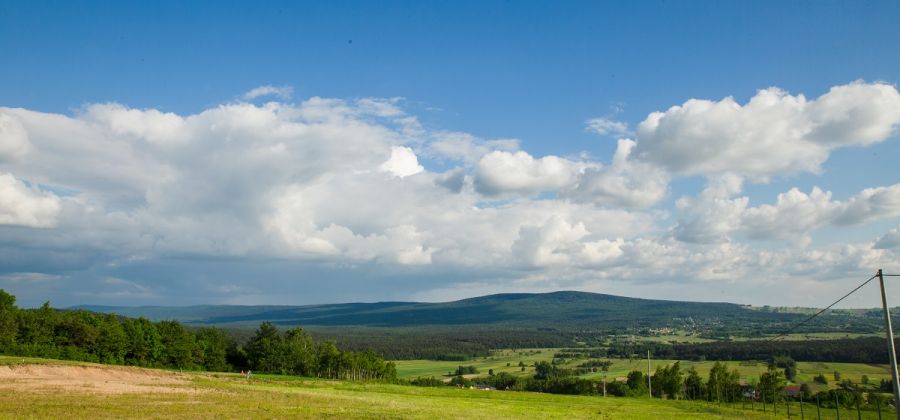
[(649, 383), (818, 412), (837, 406), (801, 407)]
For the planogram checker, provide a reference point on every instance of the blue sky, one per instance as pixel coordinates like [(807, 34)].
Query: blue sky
[(532, 72)]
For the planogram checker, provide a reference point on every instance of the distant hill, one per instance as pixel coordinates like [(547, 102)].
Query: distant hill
[(551, 310)]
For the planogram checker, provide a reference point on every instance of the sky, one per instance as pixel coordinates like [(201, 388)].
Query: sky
[(175, 153)]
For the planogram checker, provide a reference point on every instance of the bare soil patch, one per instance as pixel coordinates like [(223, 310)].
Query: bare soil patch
[(91, 379)]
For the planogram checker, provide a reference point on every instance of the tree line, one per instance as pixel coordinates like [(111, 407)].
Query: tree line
[(720, 384), (849, 350), (295, 353), (111, 339)]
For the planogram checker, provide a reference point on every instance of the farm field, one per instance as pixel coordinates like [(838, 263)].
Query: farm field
[(813, 336), (37, 388), (681, 336), (749, 371)]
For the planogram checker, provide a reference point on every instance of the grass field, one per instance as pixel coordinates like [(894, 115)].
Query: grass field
[(620, 368), (207, 395)]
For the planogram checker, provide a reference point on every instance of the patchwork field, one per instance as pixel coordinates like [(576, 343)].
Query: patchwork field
[(749, 371), (35, 388)]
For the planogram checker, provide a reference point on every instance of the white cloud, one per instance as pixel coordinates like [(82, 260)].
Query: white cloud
[(499, 173), (282, 92), (713, 217), (28, 277), (854, 114), (774, 133), (21, 205), (403, 162), (331, 184), (794, 214), (606, 126), (625, 183), (797, 213), (889, 240), (149, 124), (602, 251), (13, 138), (870, 204), (709, 219), (467, 148), (380, 107), (553, 242), (713, 214)]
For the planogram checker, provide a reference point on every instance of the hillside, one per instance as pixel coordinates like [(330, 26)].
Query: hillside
[(549, 310)]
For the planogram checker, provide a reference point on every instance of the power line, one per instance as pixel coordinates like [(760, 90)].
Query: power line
[(823, 310)]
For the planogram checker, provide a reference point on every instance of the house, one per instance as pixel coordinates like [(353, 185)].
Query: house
[(747, 389), (792, 390), (484, 387)]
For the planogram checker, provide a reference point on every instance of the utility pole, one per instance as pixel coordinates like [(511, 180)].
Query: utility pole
[(650, 387), (890, 339), (603, 373)]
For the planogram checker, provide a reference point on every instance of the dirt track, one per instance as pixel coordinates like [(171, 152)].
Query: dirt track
[(91, 379)]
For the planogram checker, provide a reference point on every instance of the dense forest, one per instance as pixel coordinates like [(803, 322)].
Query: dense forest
[(440, 342), (106, 338), (464, 343)]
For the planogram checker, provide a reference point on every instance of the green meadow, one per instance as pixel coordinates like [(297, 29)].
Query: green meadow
[(209, 395)]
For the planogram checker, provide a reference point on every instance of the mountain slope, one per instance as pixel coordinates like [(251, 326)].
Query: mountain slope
[(557, 309)]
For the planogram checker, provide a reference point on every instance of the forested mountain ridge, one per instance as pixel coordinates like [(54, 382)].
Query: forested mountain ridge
[(549, 310)]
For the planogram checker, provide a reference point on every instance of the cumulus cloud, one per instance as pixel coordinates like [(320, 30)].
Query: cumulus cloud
[(870, 204), (710, 219), (148, 124), (402, 163), (606, 126), (797, 213), (625, 183), (13, 138), (21, 205), (453, 180), (349, 185), (889, 240), (714, 216), (794, 214), (205, 192), (499, 173), (602, 252), (774, 133), (467, 148), (281, 92), (552, 242), (291, 181)]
